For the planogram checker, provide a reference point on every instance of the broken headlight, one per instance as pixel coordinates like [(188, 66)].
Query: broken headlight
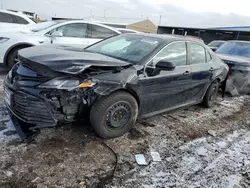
[(65, 84)]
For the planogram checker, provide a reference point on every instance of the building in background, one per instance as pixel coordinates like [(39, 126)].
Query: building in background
[(145, 26), (209, 34)]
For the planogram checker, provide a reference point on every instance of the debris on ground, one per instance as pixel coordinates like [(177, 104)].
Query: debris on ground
[(212, 133), (156, 157), (140, 159), (210, 151)]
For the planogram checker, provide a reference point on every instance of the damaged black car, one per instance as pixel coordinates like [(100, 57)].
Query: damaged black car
[(113, 82)]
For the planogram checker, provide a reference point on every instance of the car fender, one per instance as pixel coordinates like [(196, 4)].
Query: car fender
[(107, 89), (14, 46)]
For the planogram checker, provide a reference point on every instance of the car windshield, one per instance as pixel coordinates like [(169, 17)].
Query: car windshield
[(41, 26), (235, 48), (131, 48)]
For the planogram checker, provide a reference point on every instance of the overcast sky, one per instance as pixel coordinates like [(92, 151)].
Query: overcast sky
[(192, 13)]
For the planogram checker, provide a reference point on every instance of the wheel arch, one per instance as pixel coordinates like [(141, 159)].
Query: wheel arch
[(131, 92), (25, 44), (111, 90), (215, 79)]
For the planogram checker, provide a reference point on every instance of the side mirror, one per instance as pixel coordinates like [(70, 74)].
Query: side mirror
[(56, 34), (165, 65)]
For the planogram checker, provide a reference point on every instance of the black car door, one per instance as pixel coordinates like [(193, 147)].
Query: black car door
[(162, 90), (201, 70)]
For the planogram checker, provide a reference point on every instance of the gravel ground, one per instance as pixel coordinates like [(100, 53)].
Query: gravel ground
[(198, 147)]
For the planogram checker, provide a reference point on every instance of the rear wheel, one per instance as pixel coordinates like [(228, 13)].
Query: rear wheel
[(211, 94), (114, 115)]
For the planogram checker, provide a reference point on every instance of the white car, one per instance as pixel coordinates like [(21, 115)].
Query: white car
[(124, 30), (9, 19), (52, 32)]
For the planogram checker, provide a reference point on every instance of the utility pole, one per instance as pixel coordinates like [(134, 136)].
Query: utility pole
[(104, 13), (2, 6), (160, 21)]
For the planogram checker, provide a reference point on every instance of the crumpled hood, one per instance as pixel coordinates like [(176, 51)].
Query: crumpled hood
[(67, 59), (235, 60)]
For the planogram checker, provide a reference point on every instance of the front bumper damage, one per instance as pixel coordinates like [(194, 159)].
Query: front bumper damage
[(32, 109)]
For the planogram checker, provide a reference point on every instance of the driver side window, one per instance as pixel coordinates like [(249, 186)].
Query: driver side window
[(76, 30), (175, 52)]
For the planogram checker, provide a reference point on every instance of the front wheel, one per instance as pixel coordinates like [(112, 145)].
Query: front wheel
[(114, 115), (211, 94)]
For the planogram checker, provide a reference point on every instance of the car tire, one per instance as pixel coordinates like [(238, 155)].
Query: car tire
[(12, 57), (211, 94), (114, 115)]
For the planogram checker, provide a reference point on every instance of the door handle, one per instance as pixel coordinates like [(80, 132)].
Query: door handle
[(211, 69), (186, 73)]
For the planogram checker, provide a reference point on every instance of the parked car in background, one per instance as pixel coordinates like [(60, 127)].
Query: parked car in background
[(123, 30), (236, 54), (112, 82), (52, 32), (214, 45), (9, 19)]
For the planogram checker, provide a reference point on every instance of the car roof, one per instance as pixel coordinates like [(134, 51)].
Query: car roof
[(125, 29), (168, 37)]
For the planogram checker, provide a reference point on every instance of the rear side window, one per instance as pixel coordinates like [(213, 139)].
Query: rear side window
[(20, 20), (208, 55), (99, 32), (6, 18), (197, 53)]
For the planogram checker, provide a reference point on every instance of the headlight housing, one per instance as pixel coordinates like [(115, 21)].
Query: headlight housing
[(3, 39), (66, 84)]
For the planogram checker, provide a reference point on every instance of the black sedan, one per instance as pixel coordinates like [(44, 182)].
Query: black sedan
[(214, 45), (113, 82), (236, 54)]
